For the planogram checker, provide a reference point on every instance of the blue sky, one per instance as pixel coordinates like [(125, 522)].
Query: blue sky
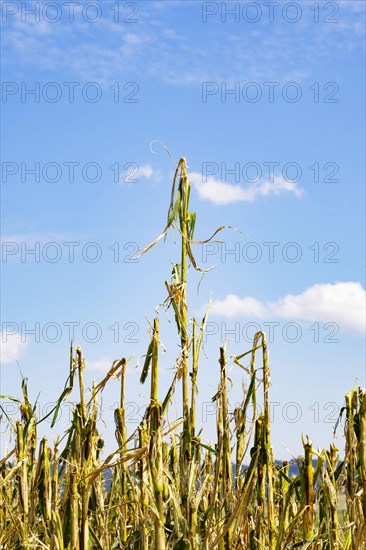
[(280, 157)]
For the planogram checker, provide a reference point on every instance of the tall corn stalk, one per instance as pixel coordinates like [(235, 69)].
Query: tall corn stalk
[(171, 490), (155, 446), (308, 491)]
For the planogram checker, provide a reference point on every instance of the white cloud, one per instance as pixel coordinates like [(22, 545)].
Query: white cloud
[(131, 38), (132, 173), (106, 52), (278, 186), (104, 364), (100, 365), (42, 238), (16, 246), (11, 348), (342, 303), (221, 192), (146, 171), (352, 5)]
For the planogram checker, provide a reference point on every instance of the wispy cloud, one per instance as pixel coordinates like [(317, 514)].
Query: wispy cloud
[(102, 365), (11, 348), (221, 192), (137, 173), (41, 238), (18, 245), (163, 46), (146, 171), (343, 303)]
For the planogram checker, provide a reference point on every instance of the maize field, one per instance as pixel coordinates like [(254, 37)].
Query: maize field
[(166, 488)]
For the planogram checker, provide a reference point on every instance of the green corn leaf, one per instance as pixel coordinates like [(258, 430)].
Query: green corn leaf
[(145, 369)]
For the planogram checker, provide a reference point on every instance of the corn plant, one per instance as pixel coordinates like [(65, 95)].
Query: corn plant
[(163, 487)]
